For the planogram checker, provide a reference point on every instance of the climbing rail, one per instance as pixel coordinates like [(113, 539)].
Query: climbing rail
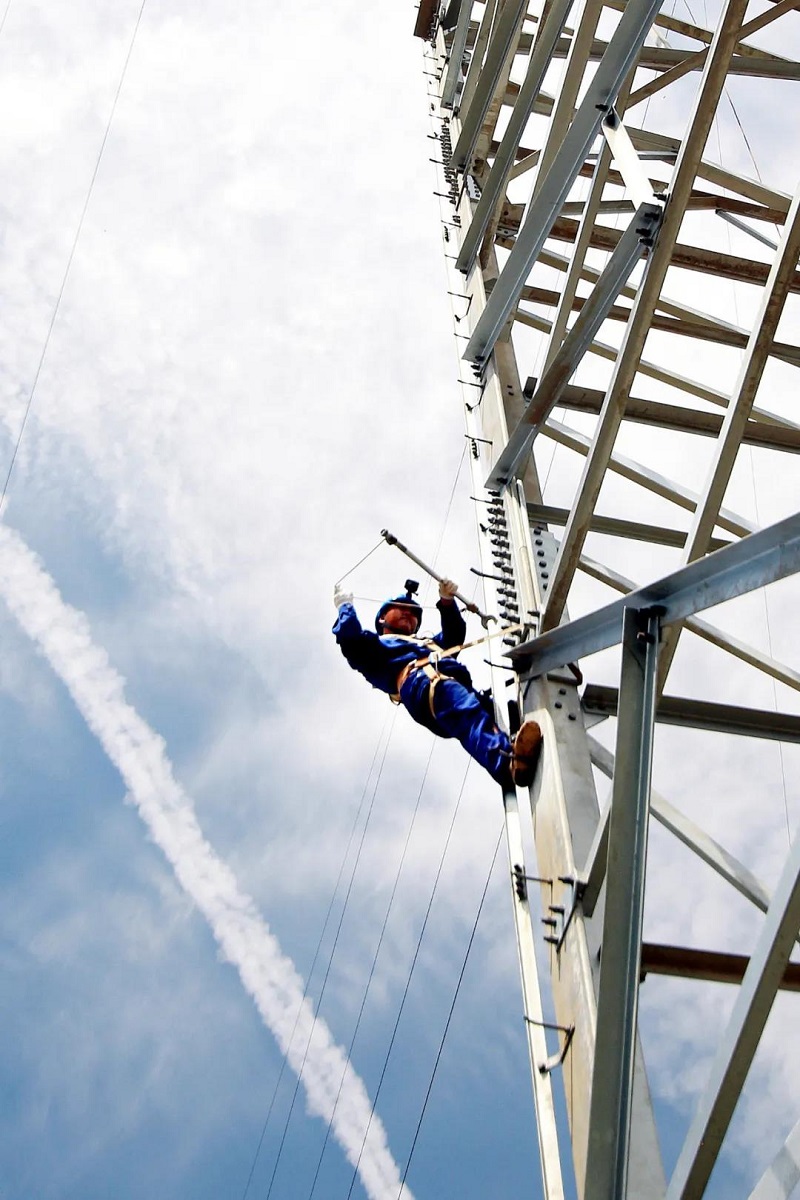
[(601, 242)]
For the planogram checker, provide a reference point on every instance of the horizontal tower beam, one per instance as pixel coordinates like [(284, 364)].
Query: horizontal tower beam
[(754, 562)]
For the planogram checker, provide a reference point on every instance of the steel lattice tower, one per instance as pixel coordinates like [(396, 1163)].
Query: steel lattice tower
[(584, 206)]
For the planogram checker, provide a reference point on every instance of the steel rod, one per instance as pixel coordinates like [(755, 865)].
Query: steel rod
[(468, 604), (617, 1002)]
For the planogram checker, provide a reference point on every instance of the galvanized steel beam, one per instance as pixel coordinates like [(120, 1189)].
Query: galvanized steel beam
[(493, 186), (617, 1002), (633, 244), (726, 865), (754, 562), (741, 1037), (504, 34), (737, 415), (783, 1174), (600, 96), (456, 55), (637, 328), (709, 633), (603, 700)]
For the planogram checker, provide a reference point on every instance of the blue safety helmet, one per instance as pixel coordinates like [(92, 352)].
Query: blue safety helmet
[(406, 601)]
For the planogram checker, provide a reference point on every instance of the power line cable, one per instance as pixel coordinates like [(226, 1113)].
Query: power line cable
[(331, 957), (60, 295), (5, 14), (450, 1014), (352, 876), (411, 973), (446, 517), (374, 960), (319, 948)]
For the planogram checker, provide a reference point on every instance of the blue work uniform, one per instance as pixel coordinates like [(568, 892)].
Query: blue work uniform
[(456, 712)]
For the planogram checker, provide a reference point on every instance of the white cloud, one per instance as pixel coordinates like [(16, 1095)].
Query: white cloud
[(244, 939)]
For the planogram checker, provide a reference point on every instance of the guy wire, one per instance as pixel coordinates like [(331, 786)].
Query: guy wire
[(5, 14), (389, 716), (374, 961), (60, 295), (336, 936), (360, 561), (402, 859), (450, 1014), (411, 972), (347, 896)]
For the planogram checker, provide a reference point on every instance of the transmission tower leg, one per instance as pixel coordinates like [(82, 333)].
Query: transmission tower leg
[(535, 98)]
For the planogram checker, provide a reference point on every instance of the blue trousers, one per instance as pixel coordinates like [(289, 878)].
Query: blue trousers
[(458, 713)]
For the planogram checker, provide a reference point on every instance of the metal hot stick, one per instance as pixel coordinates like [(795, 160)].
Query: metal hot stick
[(468, 604)]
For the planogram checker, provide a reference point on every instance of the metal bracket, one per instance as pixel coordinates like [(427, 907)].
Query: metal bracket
[(521, 881), (627, 160), (562, 918), (555, 1060)]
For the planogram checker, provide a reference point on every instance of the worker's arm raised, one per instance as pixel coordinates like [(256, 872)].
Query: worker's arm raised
[(454, 629)]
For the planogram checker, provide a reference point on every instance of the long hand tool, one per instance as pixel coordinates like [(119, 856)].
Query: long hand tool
[(468, 604)]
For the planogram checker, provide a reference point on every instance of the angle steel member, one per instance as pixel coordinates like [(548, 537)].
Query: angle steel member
[(634, 243), (600, 96), (639, 321), (503, 518), (504, 32), (555, 17), (618, 993), (563, 800), (458, 46), (741, 1037), (760, 559), (783, 1174), (596, 905)]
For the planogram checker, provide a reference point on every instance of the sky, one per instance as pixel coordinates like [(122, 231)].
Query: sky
[(227, 338)]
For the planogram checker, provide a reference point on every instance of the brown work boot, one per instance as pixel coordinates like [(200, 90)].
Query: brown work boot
[(526, 748)]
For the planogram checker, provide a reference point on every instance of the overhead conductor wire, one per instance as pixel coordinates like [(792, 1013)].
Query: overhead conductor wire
[(333, 947), (411, 972), (389, 719), (394, 891), (450, 1014), (374, 964), (78, 230), (5, 14)]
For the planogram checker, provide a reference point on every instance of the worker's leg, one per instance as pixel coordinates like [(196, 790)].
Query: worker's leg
[(460, 714)]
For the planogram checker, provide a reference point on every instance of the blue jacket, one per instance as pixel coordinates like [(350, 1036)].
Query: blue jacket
[(380, 659)]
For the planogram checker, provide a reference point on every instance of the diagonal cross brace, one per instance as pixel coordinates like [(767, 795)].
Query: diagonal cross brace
[(634, 243), (601, 93), (555, 17)]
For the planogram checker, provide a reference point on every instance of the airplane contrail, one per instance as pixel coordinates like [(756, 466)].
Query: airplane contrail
[(63, 636)]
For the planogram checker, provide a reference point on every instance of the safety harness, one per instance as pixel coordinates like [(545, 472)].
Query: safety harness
[(428, 665)]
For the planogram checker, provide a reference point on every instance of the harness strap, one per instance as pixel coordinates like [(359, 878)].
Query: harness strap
[(426, 665), (419, 664)]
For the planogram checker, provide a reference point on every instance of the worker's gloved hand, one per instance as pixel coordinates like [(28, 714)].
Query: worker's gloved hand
[(447, 589), (340, 596)]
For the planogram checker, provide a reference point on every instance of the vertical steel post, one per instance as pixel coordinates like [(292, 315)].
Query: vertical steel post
[(593, 935), (617, 1003)]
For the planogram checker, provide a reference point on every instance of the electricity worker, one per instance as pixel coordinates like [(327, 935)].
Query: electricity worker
[(436, 691)]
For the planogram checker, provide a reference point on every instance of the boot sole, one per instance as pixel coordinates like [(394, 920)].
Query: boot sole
[(527, 748)]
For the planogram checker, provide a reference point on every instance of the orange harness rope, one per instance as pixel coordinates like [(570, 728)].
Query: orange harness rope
[(425, 664)]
